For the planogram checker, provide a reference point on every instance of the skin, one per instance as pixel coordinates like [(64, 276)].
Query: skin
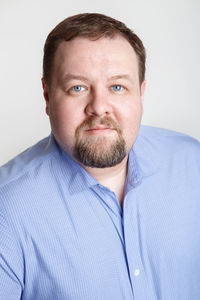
[(96, 79)]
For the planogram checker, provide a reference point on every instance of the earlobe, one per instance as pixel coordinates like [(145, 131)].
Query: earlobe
[(46, 95)]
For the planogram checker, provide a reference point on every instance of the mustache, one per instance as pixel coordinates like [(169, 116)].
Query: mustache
[(92, 122)]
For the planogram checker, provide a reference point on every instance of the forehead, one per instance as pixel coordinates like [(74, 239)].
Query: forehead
[(103, 55)]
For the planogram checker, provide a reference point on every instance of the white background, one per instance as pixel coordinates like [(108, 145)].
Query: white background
[(170, 30)]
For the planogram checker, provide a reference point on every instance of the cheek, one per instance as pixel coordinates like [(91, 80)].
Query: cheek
[(63, 115), (132, 114), (131, 123), (64, 121)]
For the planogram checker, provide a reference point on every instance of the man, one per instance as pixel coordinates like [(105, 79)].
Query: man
[(102, 208)]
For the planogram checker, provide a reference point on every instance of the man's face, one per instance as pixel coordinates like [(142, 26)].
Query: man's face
[(95, 99)]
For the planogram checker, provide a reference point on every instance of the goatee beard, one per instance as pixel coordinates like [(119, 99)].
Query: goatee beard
[(100, 151)]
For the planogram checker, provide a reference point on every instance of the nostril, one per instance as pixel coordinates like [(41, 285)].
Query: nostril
[(98, 108)]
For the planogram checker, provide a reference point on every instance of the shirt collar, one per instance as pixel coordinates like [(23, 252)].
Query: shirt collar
[(140, 166), (75, 176), (144, 158)]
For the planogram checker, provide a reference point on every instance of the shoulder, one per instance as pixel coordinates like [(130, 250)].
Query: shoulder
[(26, 162), (166, 139), (167, 148), (26, 182)]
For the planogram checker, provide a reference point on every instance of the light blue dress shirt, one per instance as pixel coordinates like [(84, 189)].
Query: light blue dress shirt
[(64, 236)]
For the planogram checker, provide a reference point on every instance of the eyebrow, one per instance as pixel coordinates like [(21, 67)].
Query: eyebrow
[(121, 76), (70, 76)]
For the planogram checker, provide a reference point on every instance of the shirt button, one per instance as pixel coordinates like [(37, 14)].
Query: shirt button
[(136, 272)]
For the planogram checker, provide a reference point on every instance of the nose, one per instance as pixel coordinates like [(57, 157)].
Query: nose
[(98, 104)]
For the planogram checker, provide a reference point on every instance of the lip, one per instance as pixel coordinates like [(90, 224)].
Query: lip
[(99, 127), (99, 130)]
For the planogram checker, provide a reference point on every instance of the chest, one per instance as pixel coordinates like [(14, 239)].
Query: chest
[(86, 250)]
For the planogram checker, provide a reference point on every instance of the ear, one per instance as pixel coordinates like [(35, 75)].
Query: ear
[(46, 95), (142, 90)]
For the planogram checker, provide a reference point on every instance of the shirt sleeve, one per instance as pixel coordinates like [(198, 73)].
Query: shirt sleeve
[(11, 267)]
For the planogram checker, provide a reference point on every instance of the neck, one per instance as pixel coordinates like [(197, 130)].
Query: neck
[(114, 178)]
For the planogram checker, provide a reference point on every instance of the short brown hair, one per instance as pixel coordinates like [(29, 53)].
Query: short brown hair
[(93, 26)]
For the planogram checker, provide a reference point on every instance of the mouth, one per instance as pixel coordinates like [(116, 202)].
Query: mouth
[(95, 127), (100, 129)]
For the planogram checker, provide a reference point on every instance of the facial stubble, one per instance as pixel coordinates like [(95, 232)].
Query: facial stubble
[(99, 151)]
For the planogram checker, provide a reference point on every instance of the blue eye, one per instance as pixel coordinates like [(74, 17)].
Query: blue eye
[(117, 88), (77, 88)]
